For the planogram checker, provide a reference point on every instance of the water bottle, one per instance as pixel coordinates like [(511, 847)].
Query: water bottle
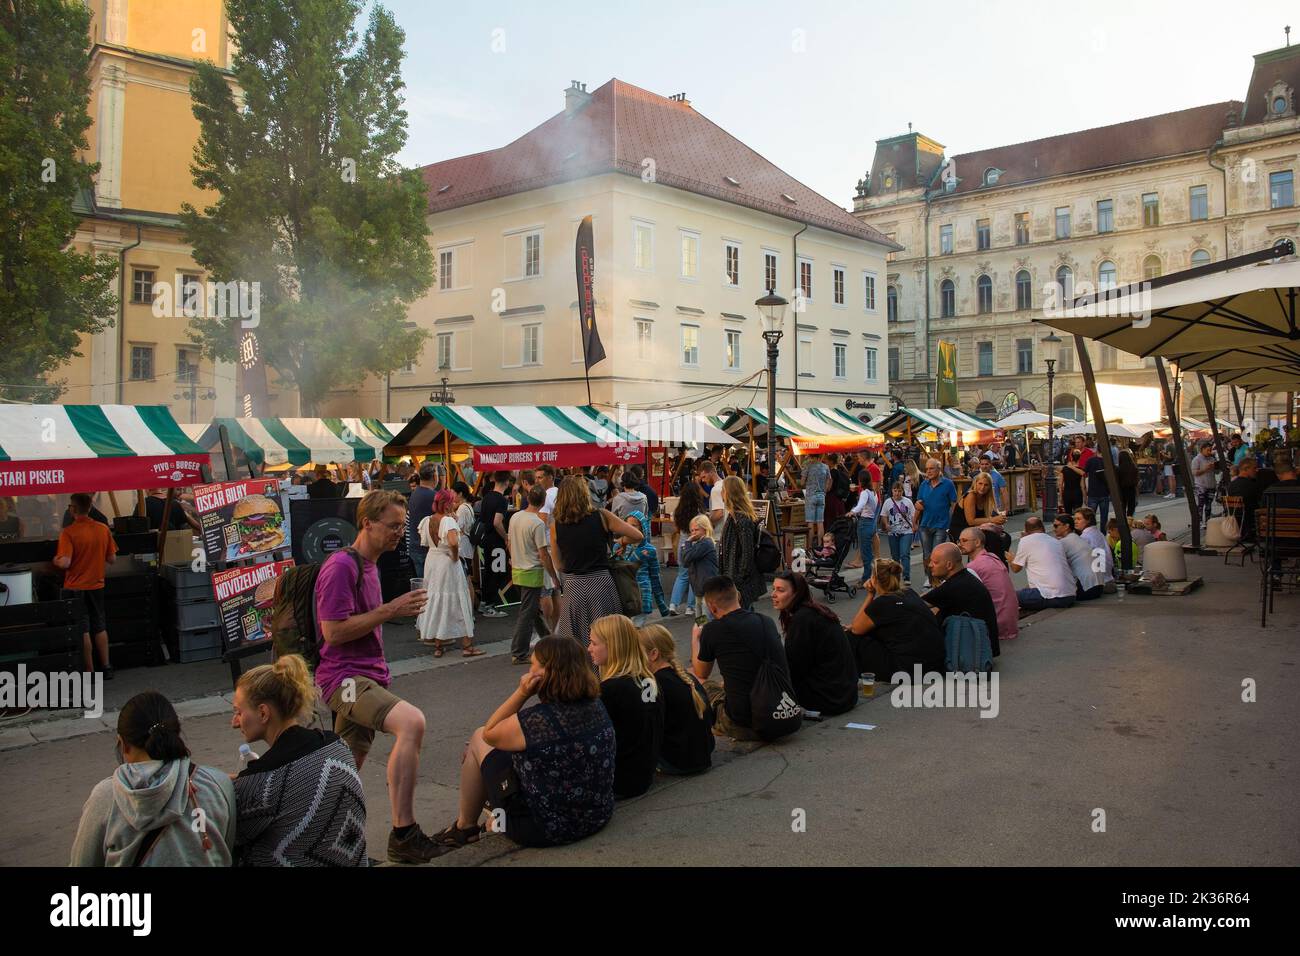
[(1119, 590), (246, 756)]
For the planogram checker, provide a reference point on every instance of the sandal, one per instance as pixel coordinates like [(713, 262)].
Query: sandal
[(454, 836), (472, 652), (438, 649)]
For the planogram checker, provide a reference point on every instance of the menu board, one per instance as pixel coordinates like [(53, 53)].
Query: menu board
[(240, 519), (244, 597)]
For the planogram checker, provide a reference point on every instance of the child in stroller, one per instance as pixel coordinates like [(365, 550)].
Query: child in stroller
[(825, 572)]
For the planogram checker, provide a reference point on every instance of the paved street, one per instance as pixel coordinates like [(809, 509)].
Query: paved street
[(1133, 708)]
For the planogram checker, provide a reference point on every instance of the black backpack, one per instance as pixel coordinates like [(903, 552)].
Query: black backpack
[(774, 712), (293, 613), (767, 556)]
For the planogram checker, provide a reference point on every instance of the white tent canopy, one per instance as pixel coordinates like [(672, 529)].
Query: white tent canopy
[(1026, 419), (1114, 429)]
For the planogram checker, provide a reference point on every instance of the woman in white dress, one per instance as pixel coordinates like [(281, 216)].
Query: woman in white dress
[(448, 615)]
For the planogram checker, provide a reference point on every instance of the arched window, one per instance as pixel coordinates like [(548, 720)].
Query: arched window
[(984, 292), (1200, 258), (986, 410), (947, 299), (1067, 406), (1107, 276), (991, 176), (1151, 268), (1024, 290), (1065, 283), (891, 300)]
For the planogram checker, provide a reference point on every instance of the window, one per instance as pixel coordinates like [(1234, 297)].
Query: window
[(1024, 356), (142, 289), (991, 176), (769, 271), (409, 367), (533, 254), (1198, 201), (446, 269), (643, 246), (1150, 209), (1024, 290), (1107, 357), (893, 365), (1281, 190), (1151, 268), (187, 366), (1065, 284), (987, 411), (1022, 228), (805, 279), (1279, 105), (532, 347), (731, 254), (982, 234), (1065, 359), (1105, 216), (871, 362), (691, 345), (947, 299), (869, 291), (141, 362), (837, 283), (444, 350), (841, 359), (690, 255), (945, 240), (891, 303), (1062, 222), (190, 295), (986, 358), (805, 357), (1200, 258), (733, 350), (1107, 276), (984, 294), (644, 339)]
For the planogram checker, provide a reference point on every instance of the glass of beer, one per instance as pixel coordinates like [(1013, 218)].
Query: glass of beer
[(867, 684)]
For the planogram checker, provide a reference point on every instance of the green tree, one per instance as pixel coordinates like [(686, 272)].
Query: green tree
[(311, 203), (50, 295)]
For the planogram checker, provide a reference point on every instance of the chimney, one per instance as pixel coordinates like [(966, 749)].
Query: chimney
[(680, 98), (576, 97)]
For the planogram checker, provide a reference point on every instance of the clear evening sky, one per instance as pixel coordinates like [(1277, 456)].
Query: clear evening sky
[(970, 75)]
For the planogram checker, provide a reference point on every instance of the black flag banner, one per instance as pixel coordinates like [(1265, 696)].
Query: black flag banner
[(585, 251)]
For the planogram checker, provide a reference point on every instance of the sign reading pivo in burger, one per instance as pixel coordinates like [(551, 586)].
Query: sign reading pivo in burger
[(240, 518)]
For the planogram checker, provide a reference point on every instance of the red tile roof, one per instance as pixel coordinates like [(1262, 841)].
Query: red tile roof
[(1152, 137), (1284, 65), (616, 131)]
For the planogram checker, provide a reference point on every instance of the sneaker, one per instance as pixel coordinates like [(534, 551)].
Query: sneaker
[(520, 660), (416, 848), (493, 612), (671, 612), (672, 609), (690, 610)]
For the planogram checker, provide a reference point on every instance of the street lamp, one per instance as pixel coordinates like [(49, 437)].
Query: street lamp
[(772, 309), (190, 374), (443, 395), (1049, 489)]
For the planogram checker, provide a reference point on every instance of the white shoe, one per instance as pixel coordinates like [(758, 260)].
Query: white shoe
[(672, 609), (690, 611)]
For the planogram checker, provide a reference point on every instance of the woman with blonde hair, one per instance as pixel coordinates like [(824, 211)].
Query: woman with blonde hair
[(580, 538), (738, 545), (301, 803), (911, 478), (449, 613), (688, 718), (894, 630), (631, 697), (978, 508)]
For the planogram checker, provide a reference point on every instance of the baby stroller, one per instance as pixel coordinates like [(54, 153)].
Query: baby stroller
[(824, 573)]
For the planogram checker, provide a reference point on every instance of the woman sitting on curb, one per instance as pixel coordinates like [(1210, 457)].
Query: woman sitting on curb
[(688, 718)]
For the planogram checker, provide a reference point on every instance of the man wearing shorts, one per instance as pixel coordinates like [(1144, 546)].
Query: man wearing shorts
[(353, 673), (85, 549), (816, 479)]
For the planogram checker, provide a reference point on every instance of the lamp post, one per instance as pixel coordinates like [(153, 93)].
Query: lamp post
[(443, 395), (190, 376), (1049, 488), (771, 308)]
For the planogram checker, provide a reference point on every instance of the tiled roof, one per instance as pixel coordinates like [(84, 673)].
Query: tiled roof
[(1284, 65), (1152, 137), (617, 131)]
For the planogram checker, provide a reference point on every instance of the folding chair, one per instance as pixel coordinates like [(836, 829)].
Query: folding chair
[(1235, 506), (1279, 538)]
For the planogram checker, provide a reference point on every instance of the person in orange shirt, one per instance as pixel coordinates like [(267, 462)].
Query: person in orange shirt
[(86, 548)]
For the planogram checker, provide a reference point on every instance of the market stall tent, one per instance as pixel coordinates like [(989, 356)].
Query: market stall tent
[(916, 421), (809, 430), (64, 449), (271, 442)]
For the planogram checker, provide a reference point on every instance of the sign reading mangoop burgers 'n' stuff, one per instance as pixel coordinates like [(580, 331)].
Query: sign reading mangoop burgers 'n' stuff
[(240, 518), (244, 597)]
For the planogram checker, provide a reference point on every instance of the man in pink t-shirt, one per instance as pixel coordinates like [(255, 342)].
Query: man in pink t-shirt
[(996, 578)]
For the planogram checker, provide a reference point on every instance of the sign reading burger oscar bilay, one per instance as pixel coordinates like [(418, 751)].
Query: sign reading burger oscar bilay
[(244, 597), (240, 518)]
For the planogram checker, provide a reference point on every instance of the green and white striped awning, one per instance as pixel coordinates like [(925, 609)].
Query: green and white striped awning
[(931, 419), (802, 423), (58, 449), (296, 441)]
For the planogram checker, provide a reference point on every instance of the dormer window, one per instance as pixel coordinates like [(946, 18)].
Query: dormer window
[(1280, 100), (991, 176)]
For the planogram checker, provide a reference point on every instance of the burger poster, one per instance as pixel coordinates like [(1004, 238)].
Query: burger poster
[(244, 597), (240, 518)]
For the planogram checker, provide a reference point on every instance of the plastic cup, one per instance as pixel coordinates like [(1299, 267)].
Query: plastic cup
[(417, 584), (867, 684)]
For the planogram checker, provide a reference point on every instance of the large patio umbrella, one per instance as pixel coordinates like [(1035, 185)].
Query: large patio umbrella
[(1113, 429), (1025, 419)]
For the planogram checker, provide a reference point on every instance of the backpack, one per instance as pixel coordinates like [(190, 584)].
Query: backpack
[(767, 556), (774, 712), (840, 484), (293, 611), (966, 645)]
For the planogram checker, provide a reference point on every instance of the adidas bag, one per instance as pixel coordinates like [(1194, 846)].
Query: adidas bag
[(293, 611), (966, 646), (774, 712)]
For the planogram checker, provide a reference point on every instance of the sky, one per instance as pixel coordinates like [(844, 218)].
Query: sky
[(812, 86)]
